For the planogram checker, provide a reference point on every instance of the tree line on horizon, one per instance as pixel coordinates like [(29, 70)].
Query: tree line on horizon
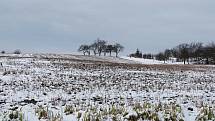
[(101, 46), (15, 52), (195, 52)]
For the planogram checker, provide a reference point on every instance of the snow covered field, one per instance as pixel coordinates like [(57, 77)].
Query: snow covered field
[(78, 88), (151, 61)]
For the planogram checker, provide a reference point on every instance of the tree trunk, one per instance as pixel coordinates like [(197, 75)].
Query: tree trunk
[(116, 54), (207, 61)]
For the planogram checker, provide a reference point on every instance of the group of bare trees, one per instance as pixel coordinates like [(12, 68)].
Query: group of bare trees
[(101, 46), (193, 52)]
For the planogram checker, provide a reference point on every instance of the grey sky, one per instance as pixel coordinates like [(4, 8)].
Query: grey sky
[(62, 25)]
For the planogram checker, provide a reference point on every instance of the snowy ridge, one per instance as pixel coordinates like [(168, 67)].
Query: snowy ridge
[(72, 57)]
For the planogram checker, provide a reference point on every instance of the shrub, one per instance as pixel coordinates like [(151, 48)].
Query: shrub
[(3, 52), (17, 52)]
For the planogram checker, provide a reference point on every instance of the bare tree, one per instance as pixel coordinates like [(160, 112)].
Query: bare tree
[(109, 49), (117, 48), (100, 46), (94, 48), (167, 54), (85, 49), (104, 50), (195, 51), (183, 52)]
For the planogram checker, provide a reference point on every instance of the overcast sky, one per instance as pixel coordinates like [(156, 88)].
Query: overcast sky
[(60, 26)]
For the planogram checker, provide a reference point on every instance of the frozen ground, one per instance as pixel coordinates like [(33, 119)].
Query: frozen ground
[(51, 87)]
